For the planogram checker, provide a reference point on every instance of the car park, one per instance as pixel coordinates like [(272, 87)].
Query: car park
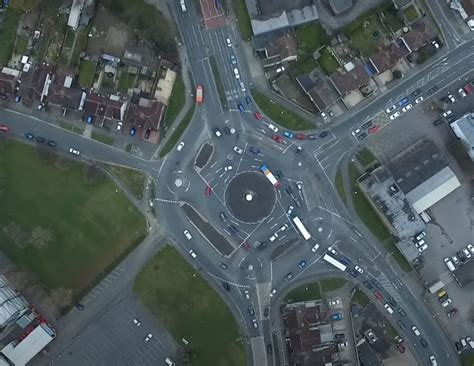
[(228, 42), (277, 138), (391, 109), (226, 286), (447, 113), (222, 265), (415, 330), (238, 150), (180, 146), (314, 248), (395, 115), (418, 100), (288, 134), (74, 151), (148, 337), (407, 107), (187, 234), (358, 269), (301, 264), (258, 116), (254, 149), (273, 127)]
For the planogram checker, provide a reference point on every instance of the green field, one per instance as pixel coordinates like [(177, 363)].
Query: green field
[(242, 15), (360, 298), (86, 72), (468, 360), (307, 292), (310, 37), (332, 284), (133, 179), (7, 34), (69, 224), (366, 157), (281, 115), (340, 186), (176, 103), (188, 307), (102, 138), (410, 13)]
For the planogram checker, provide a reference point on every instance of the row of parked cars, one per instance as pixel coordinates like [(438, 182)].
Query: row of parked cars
[(463, 93), (420, 242), (459, 258)]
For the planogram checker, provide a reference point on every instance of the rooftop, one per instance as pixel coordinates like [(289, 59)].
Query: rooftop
[(464, 130), (319, 89), (283, 47), (388, 56), (419, 35), (7, 83), (101, 106), (271, 8), (340, 6), (345, 82)]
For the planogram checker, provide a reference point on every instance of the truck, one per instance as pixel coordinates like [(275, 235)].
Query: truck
[(199, 94), (264, 169), (438, 285)]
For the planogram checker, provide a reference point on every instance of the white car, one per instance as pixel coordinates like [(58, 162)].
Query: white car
[(192, 253), (136, 322), (334, 302), (395, 115), (332, 250), (420, 236), (284, 227), (418, 100), (273, 292), (356, 132), (462, 93), (407, 107), (388, 308), (471, 248), (419, 243), (247, 294), (315, 248), (273, 237), (238, 150), (391, 109), (446, 303), (358, 269), (217, 132), (290, 210), (415, 330), (435, 44), (280, 69), (74, 151), (467, 253), (433, 360), (187, 234), (447, 113), (451, 98), (228, 41), (423, 248), (273, 127), (227, 168), (242, 86), (254, 323), (236, 73), (180, 146), (455, 259), (148, 337), (119, 125), (324, 115)]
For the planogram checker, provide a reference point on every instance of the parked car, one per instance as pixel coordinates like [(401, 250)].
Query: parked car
[(324, 134), (462, 93), (315, 248), (192, 253), (217, 132), (302, 264), (258, 116), (273, 127), (28, 135), (180, 146), (418, 100), (277, 138), (337, 316), (395, 115), (334, 302), (238, 150), (407, 107), (451, 98), (148, 337), (312, 136), (255, 323), (391, 109), (251, 310), (254, 149), (378, 295), (52, 143), (187, 234), (74, 151), (300, 136), (288, 134), (226, 286), (137, 322), (223, 265), (447, 113)]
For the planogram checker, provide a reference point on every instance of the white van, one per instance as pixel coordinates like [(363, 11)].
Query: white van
[(388, 308), (183, 6), (449, 264), (425, 217)]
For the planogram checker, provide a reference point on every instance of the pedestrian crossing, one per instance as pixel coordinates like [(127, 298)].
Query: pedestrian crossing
[(391, 287)]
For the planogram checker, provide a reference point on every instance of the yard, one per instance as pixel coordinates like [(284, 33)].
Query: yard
[(183, 301), (86, 73), (284, 117), (328, 62), (177, 100), (310, 37), (245, 28), (368, 36), (126, 81), (21, 45), (7, 34), (304, 65), (410, 13), (69, 224)]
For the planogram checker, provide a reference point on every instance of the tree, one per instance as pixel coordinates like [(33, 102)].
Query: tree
[(397, 74)]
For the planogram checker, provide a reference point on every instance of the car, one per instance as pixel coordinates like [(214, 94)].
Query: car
[(233, 229), (298, 150), (451, 98), (266, 311), (228, 42), (334, 302), (148, 337), (467, 253), (238, 150), (40, 139), (314, 248), (403, 102), (392, 301), (447, 113), (29, 136), (233, 60), (375, 283), (273, 237), (299, 186), (451, 312), (468, 89), (461, 256), (451, 118), (269, 349), (254, 149), (418, 100), (247, 294), (79, 306), (423, 343), (74, 151), (415, 330), (300, 136), (222, 265), (372, 130), (288, 134), (241, 108), (388, 308), (401, 348), (227, 130), (324, 115), (462, 93), (391, 109), (395, 115), (180, 146), (255, 323), (217, 132), (280, 69), (277, 138), (312, 136), (423, 248), (435, 44), (378, 295), (471, 248), (367, 284), (187, 234), (361, 136), (242, 86), (302, 264), (236, 73), (226, 286), (401, 312), (433, 90), (288, 276), (248, 101), (337, 316), (137, 322), (433, 360), (401, 324), (52, 143), (353, 273), (251, 310), (258, 116), (407, 107), (339, 336), (273, 292), (438, 122), (133, 131), (273, 127), (120, 125), (445, 303), (290, 209), (358, 269), (420, 236), (284, 227), (4, 128), (419, 243), (355, 132), (279, 174), (458, 346), (332, 250), (147, 134), (324, 134)]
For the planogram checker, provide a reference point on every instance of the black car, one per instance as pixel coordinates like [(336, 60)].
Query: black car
[(367, 284), (227, 130), (324, 134), (52, 143), (79, 306), (461, 256), (392, 301), (251, 311), (266, 311), (353, 273), (147, 134), (423, 343), (29, 136), (40, 139), (223, 216), (261, 245), (451, 118), (415, 93), (401, 324), (226, 286), (288, 190), (312, 136), (367, 124), (361, 136), (401, 312), (458, 346), (432, 90), (233, 229), (339, 336), (269, 349), (279, 174), (438, 122), (376, 284)]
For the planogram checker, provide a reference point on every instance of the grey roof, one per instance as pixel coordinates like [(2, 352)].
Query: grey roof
[(464, 129), (400, 4), (12, 303), (270, 8), (340, 6)]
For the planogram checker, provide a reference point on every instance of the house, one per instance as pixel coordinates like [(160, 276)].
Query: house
[(319, 90), (35, 84), (464, 130), (103, 108), (280, 50), (340, 6), (466, 11), (7, 84), (75, 14), (146, 117), (388, 56), (62, 95), (419, 35), (353, 78)]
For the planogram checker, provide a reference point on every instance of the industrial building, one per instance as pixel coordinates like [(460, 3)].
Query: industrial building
[(464, 130)]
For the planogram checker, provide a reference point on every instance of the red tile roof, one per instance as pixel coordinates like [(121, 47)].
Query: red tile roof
[(348, 81), (101, 106), (7, 83), (387, 57)]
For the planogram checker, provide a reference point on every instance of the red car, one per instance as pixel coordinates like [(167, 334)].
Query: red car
[(4, 128), (378, 295), (258, 116), (300, 136), (401, 348), (468, 89), (246, 245), (277, 138), (372, 130)]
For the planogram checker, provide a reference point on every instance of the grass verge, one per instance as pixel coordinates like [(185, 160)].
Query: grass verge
[(360, 298), (133, 179), (218, 80), (366, 157), (7, 34), (240, 11), (72, 128), (192, 310), (281, 115), (332, 284), (68, 223), (102, 138), (308, 292), (178, 132), (468, 360), (340, 185), (177, 100)]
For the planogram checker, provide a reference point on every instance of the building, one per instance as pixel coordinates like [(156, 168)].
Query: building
[(464, 130), (102, 108), (62, 95), (75, 14), (146, 117), (12, 304), (280, 50), (420, 34), (352, 79), (35, 84), (340, 6), (388, 56), (466, 11), (319, 89)]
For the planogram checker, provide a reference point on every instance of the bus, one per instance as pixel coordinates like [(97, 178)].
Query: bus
[(334, 262), (264, 169), (301, 228), (199, 94)]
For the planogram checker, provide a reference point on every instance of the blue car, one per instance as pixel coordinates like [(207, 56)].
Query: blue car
[(302, 264), (337, 316), (249, 101), (288, 134), (133, 131), (254, 149), (241, 107), (89, 119), (403, 102)]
